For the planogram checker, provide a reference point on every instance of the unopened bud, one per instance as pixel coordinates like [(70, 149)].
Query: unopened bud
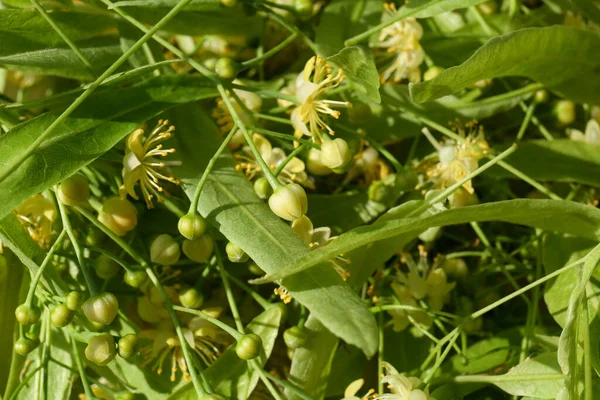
[(106, 267), (74, 300), (191, 226), (199, 249), (135, 278), (27, 314), (289, 202), (74, 190), (127, 345), (263, 188), (249, 346), (335, 154), (101, 349), (164, 250), (191, 298), (120, 216), (102, 308), (235, 253), (61, 315), (295, 337), (227, 68)]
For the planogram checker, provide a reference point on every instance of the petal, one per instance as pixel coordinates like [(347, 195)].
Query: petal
[(354, 387), (134, 143), (298, 124)]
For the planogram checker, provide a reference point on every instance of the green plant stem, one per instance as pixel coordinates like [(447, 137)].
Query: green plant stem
[(505, 378), (116, 259), (208, 169), (273, 94), (292, 28), (13, 163), (385, 307), (289, 158), (63, 36), (499, 98), (292, 388), (453, 336), (285, 136), (232, 332), (24, 382), (526, 120), (82, 375), (270, 53), (538, 124), (89, 280), (200, 389), (285, 121), (38, 275), (257, 297)]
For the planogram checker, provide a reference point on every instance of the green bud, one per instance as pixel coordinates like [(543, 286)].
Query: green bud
[(488, 7), (235, 253), (304, 8), (541, 96), (335, 154), (227, 68), (74, 300), (24, 346), (255, 269), (102, 308), (94, 236), (127, 345), (249, 346), (191, 298), (432, 72), (314, 164), (295, 337), (199, 249), (135, 278), (456, 268), (263, 188), (229, 3), (164, 250), (27, 315), (378, 192), (61, 315), (120, 216), (125, 395), (106, 267), (101, 349), (3, 268), (565, 112), (191, 226), (74, 190), (289, 202)]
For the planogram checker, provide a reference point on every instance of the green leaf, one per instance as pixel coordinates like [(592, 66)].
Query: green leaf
[(553, 215), (230, 204), (311, 364), (481, 357), (429, 8), (547, 55), (590, 9), (538, 377), (354, 206), (230, 375), (16, 238), (359, 68), (562, 160), (94, 128)]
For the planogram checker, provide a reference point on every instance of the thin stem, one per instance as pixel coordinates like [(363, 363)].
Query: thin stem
[(285, 121), (82, 375), (499, 98), (270, 53), (235, 334), (116, 259), (385, 307), (265, 92), (40, 271), (208, 169), (285, 137), (292, 28), (24, 382), (289, 158), (12, 164), (535, 121), (505, 378), (257, 297), (292, 388), (526, 120), (264, 378)]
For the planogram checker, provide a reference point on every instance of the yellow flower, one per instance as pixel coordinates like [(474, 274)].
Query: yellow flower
[(37, 214), (140, 163), (353, 388), (311, 85), (401, 386), (401, 39)]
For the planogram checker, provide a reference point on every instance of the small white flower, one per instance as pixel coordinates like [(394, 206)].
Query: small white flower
[(591, 135), (401, 386)]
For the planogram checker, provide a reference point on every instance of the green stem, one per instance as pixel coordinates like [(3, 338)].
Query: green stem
[(381, 149), (257, 297), (526, 120), (270, 53), (505, 378), (24, 382), (13, 163), (82, 375), (292, 28), (292, 388), (499, 98), (289, 158), (40, 271), (285, 136), (219, 324), (385, 307), (208, 169), (538, 124), (116, 259), (285, 121)]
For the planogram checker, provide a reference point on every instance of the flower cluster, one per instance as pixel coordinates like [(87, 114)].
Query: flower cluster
[(37, 215)]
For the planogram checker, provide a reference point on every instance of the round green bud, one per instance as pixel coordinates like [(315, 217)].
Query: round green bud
[(120, 216), (106, 267), (191, 298), (565, 112), (101, 349), (488, 7), (74, 190), (94, 236), (335, 154), (295, 337), (289, 202), (378, 192), (74, 300), (24, 346), (304, 8), (27, 315), (3, 268), (227, 68), (135, 278), (432, 72), (125, 395), (314, 164), (164, 250), (249, 346), (102, 308), (191, 226), (61, 315), (199, 249), (127, 345), (263, 188), (235, 253), (229, 3), (255, 269), (456, 268), (541, 96)]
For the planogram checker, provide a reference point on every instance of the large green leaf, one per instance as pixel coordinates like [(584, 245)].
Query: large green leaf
[(538, 377), (94, 128), (359, 68), (429, 8), (552, 215), (547, 55), (230, 204)]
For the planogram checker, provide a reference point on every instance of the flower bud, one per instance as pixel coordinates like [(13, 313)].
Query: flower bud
[(314, 164), (227, 68), (255, 269), (541, 96), (191, 298), (335, 154), (229, 3), (191, 226), (27, 314), (199, 249), (462, 198), (304, 8), (295, 337), (289, 202), (455, 268), (74, 190), (102, 308), (127, 345), (263, 188), (135, 278), (164, 250), (74, 300), (124, 395), (249, 346), (61, 315), (379, 192), (565, 112), (488, 7), (94, 236), (106, 267), (432, 72), (120, 216), (3, 268), (235, 253), (24, 346), (101, 349)]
